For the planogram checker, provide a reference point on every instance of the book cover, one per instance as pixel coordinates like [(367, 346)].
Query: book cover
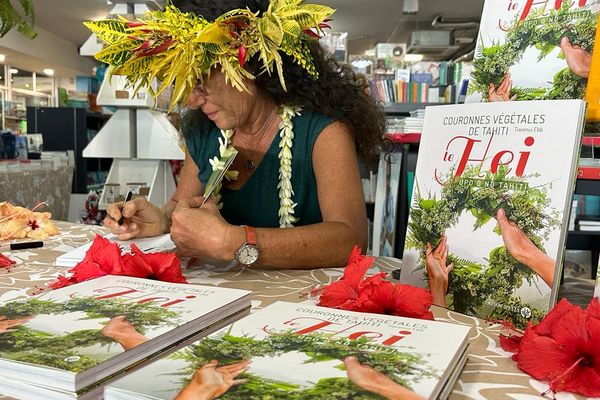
[(386, 204), (597, 287), (533, 50), (490, 206), (73, 337), (299, 351)]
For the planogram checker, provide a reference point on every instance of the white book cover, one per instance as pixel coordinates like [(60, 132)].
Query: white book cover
[(597, 287), (521, 46), (151, 244), (297, 351), (73, 337), (492, 196), (386, 204)]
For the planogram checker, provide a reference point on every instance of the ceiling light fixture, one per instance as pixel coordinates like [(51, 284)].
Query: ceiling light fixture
[(48, 71), (410, 7), (2, 58), (14, 71)]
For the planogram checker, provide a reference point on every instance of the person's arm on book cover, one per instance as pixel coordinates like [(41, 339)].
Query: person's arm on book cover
[(210, 381), (376, 382), (523, 250), (438, 271)]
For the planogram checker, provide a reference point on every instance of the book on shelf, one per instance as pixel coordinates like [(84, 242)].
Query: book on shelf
[(524, 49), (71, 339), (151, 244), (483, 180), (288, 350), (589, 168), (597, 286)]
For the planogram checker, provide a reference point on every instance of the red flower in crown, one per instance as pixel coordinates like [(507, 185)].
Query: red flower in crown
[(564, 349), (374, 294), (104, 258)]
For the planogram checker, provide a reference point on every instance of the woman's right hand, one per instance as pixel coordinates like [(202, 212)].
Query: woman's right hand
[(142, 219)]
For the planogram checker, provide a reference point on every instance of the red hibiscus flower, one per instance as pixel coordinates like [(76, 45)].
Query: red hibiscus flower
[(344, 292), (163, 266), (564, 349), (396, 299), (374, 294), (105, 258)]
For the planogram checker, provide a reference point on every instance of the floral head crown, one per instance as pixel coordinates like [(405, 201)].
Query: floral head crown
[(175, 46)]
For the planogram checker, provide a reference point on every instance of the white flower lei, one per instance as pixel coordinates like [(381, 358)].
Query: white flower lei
[(286, 132)]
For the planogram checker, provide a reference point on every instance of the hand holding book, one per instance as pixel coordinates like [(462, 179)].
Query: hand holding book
[(523, 250)]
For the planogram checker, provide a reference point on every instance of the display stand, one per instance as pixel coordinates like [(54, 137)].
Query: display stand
[(139, 139)]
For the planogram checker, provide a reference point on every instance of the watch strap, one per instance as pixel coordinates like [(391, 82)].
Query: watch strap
[(250, 235)]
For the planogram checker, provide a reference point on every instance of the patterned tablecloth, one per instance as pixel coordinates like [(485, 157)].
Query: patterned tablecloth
[(489, 373), (27, 188)]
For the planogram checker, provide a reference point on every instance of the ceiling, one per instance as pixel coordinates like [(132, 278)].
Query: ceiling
[(367, 22)]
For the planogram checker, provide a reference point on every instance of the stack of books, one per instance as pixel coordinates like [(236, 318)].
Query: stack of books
[(69, 342), (298, 351), (590, 223)]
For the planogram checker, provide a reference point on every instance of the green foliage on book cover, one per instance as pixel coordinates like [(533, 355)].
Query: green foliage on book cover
[(65, 351), (473, 285), (544, 33), (403, 368)]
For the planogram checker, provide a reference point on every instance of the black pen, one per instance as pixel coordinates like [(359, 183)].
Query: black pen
[(26, 245), (127, 198)]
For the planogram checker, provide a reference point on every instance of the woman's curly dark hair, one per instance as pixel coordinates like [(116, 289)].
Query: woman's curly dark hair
[(339, 92)]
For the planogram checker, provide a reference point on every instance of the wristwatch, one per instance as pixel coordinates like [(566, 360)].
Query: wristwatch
[(247, 254)]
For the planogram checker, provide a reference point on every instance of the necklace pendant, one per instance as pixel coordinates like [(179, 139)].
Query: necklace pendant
[(250, 164)]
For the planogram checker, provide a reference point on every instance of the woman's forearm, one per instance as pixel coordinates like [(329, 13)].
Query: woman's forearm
[(326, 244)]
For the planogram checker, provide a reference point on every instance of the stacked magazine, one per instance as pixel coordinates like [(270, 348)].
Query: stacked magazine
[(297, 351), (490, 205), (66, 343)]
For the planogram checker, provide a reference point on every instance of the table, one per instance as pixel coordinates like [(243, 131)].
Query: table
[(489, 373), (29, 187)]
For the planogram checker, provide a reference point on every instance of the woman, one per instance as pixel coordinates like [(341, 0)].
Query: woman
[(308, 179)]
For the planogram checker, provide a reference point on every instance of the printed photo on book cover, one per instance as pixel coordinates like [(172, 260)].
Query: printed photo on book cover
[(533, 50), (493, 188)]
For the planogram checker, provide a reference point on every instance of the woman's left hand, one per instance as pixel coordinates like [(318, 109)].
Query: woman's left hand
[(200, 231)]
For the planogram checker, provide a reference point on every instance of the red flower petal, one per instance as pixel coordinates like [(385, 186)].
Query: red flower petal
[(561, 308), (165, 266), (570, 330), (511, 343), (541, 357), (136, 266), (358, 265), (62, 281), (396, 299), (87, 270), (6, 262), (106, 254), (340, 295), (593, 309)]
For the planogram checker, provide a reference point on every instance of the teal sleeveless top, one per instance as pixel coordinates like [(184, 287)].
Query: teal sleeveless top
[(257, 202)]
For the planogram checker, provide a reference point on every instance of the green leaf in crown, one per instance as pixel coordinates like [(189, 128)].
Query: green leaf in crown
[(472, 285), (543, 32)]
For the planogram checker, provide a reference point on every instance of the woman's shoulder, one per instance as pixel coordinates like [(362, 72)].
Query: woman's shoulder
[(313, 121)]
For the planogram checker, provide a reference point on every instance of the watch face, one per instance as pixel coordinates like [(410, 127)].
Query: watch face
[(248, 254)]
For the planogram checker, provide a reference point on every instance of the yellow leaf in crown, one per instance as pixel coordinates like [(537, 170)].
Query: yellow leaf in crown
[(214, 33), (109, 31)]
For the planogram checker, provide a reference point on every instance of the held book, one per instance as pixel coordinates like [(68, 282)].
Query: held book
[(71, 338), (491, 203), (533, 50), (297, 351)]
